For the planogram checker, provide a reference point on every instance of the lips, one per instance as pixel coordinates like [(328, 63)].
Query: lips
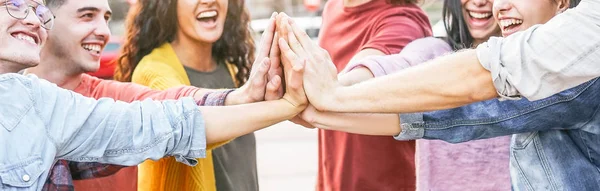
[(510, 25), (92, 47), (27, 37), (479, 19), (477, 15), (207, 16)]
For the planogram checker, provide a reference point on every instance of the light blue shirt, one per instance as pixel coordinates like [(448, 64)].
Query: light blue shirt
[(41, 123)]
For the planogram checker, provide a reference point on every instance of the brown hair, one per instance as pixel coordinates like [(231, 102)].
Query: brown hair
[(151, 23)]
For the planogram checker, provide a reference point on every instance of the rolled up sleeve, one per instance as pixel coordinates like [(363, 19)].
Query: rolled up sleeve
[(546, 59), (114, 132)]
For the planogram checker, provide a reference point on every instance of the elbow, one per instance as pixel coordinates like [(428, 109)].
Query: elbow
[(482, 88)]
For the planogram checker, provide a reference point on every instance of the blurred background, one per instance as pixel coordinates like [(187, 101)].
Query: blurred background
[(287, 153)]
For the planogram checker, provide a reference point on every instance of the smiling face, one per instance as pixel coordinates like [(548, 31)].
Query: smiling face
[(80, 33), (21, 39), (201, 20), (518, 15), (478, 16)]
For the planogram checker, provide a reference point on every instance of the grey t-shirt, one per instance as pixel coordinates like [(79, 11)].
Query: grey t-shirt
[(234, 162)]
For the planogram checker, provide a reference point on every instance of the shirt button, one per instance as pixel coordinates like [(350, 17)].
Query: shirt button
[(26, 178)]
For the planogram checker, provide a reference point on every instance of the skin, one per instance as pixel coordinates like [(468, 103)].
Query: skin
[(388, 124), (19, 54), (442, 83), (249, 118), (85, 22)]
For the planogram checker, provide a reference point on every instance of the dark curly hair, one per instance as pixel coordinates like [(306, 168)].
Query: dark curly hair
[(151, 23)]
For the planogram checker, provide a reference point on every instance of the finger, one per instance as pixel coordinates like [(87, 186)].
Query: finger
[(284, 31), (297, 77), (259, 79), (272, 89), (267, 38), (294, 43), (299, 121), (280, 19), (288, 55), (274, 55), (303, 38), (276, 69)]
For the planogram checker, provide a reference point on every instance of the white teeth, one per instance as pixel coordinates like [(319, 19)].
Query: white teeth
[(92, 47), (207, 14), (508, 22), (479, 15), (27, 38)]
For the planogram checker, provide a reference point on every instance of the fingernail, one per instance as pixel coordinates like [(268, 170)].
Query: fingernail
[(274, 14)]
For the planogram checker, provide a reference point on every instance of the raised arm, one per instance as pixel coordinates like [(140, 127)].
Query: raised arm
[(413, 54), (458, 79), (89, 130)]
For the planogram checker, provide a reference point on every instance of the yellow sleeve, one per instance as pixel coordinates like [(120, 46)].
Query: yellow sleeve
[(161, 77)]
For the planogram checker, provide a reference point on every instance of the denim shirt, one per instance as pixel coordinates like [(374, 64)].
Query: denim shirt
[(556, 145), (41, 123)]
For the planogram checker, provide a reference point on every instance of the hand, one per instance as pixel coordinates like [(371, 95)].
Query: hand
[(293, 68), (320, 79), (302, 118), (275, 71), (264, 82)]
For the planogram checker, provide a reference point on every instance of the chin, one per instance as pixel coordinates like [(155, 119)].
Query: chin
[(90, 67), (211, 37)]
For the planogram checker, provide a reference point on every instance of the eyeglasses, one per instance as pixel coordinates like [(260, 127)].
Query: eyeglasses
[(19, 9)]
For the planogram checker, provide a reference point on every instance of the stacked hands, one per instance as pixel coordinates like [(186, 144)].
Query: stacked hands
[(290, 66)]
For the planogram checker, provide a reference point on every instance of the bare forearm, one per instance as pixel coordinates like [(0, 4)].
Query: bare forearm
[(447, 82), (228, 122), (358, 123)]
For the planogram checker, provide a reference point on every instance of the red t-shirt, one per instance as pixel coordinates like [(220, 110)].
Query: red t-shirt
[(349, 162)]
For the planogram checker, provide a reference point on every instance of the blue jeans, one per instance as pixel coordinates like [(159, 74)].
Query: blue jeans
[(556, 145)]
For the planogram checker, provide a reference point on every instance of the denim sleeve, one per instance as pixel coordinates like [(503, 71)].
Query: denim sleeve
[(570, 109), (114, 132), (546, 59)]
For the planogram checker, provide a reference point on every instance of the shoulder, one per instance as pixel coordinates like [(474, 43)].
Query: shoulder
[(17, 85), (403, 14)]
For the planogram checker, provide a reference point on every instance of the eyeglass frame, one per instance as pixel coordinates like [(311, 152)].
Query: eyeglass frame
[(34, 8)]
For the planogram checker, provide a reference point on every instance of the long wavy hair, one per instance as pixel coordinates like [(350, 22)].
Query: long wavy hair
[(151, 23)]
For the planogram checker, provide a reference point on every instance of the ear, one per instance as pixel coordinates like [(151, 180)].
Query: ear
[(562, 6)]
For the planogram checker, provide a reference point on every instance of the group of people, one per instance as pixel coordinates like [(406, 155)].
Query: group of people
[(374, 83)]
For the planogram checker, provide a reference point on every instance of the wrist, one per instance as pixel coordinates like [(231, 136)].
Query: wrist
[(218, 98), (335, 99), (236, 97)]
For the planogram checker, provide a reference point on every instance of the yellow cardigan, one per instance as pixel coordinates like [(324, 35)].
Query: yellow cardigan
[(161, 69)]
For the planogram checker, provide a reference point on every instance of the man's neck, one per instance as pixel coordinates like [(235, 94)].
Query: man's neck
[(354, 3), (194, 55), (10, 67), (56, 75)]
